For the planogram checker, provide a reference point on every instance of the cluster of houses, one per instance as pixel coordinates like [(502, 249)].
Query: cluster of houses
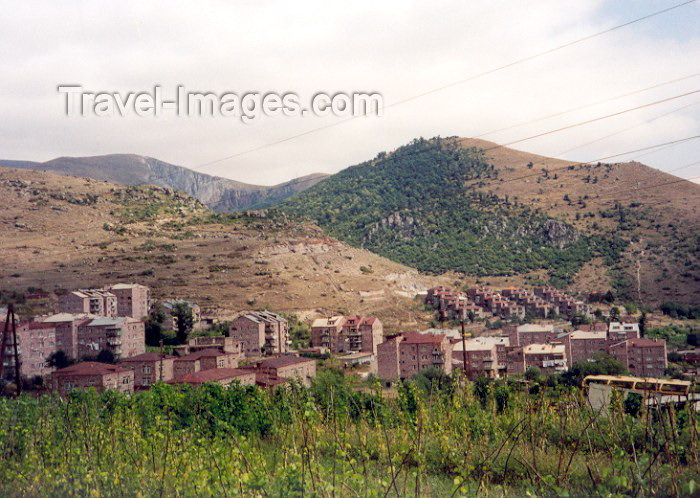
[(92, 321), (257, 348), (545, 347), (508, 303)]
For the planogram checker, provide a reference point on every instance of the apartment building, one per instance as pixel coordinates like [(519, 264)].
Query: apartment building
[(486, 356), (531, 333), (583, 345), (220, 343), (619, 332), (87, 374), (90, 301), (170, 304), (206, 359), (35, 342), (261, 332), (352, 334), (548, 358), (123, 336), (404, 355), (66, 325), (642, 357), (150, 368), (327, 333), (133, 300)]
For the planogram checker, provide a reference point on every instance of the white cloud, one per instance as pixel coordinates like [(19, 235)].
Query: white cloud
[(399, 49)]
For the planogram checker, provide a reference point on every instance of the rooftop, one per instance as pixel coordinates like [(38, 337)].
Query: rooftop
[(146, 357), (91, 368), (333, 321), (544, 349), (212, 375)]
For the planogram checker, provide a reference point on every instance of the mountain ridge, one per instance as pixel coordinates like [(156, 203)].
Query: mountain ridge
[(220, 194)]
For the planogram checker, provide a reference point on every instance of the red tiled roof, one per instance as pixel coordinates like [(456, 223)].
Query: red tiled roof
[(212, 375), (91, 368), (266, 380)]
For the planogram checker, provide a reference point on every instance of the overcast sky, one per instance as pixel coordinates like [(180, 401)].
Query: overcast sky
[(399, 49)]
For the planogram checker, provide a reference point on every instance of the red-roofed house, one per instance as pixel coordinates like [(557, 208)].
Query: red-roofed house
[(207, 359), (223, 376), (150, 368), (288, 367), (86, 374)]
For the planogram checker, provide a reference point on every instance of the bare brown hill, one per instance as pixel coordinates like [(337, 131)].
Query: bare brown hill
[(59, 233)]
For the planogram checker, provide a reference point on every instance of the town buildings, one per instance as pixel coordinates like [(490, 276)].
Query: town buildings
[(133, 300), (642, 357), (582, 345), (404, 355), (261, 332), (548, 358), (66, 325), (486, 356), (288, 367), (90, 301), (206, 359), (150, 368), (531, 333), (86, 374), (222, 376), (122, 336), (342, 334)]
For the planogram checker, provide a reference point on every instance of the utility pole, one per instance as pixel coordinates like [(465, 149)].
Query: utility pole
[(464, 348), (11, 320), (160, 375)]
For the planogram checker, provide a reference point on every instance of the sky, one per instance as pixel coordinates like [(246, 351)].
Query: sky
[(398, 49)]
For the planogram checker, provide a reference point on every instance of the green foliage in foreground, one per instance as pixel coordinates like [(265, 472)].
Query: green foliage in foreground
[(430, 205), (459, 439)]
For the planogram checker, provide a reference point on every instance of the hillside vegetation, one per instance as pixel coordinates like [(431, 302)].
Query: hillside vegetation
[(438, 437), (471, 206), (430, 205)]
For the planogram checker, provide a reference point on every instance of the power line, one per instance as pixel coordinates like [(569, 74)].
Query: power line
[(593, 120), (586, 106), (558, 154), (455, 83)]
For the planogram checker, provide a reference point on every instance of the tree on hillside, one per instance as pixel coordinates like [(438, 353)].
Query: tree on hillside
[(184, 320), (643, 324), (614, 315)]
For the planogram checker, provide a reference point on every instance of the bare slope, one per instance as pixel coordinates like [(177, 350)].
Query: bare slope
[(60, 233)]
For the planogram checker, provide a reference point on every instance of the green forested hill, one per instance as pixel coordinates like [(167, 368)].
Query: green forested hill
[(429, 205)]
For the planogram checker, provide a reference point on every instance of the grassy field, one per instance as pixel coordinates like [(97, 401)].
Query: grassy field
[(441, 439)]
